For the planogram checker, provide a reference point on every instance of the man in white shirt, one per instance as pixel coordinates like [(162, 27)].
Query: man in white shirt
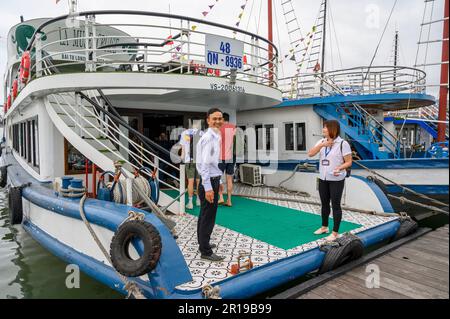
[(188, 139), (207, 159)]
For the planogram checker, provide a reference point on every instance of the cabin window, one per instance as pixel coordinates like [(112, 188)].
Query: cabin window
[(259, 136), (300, 135), (269, 137), (25, 141), (289, 136), (295, 136)]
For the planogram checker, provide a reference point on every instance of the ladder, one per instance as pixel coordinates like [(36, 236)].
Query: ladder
[(293, 30)]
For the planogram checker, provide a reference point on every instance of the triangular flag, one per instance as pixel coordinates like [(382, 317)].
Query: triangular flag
[(286, 56), (194, 27), (205, 13), (311, 35), (314, 29), (291, 50), (169, 42), (178, 48), (317, 67), (292, 58), (237, 24), (243, 7), (211, 6)]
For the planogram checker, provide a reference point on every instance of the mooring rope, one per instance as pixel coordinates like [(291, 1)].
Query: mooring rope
[(401, 186), (130, 286), (405, 200)]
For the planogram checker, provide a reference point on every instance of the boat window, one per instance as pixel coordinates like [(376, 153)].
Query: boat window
[(289, 136), (25, 141), (259, 136), (300, 134), (269, 128)]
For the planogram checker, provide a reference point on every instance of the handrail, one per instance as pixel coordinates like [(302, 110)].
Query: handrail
[(146, 13), (381, 79), (113, 139), (189, 53)]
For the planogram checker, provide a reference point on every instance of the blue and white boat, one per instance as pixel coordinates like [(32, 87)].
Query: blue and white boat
[(88, 94)]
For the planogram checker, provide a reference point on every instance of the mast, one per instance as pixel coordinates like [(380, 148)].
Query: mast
[(324, 29), (324, 34), (395, 58), (443, 90), (270, 36)]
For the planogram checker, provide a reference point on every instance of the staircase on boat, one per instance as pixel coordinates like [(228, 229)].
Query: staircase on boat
[(367, 134), (103, 141), (426, 117)]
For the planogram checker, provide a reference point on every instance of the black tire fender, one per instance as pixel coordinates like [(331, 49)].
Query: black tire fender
[(347, 248), (3, 176), (119, 249), (407, 227), (15, 205)]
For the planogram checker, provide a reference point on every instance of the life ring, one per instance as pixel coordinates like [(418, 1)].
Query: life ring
[(120, 244), (15, 88), (3, 175), (25, 65), (15, 205), (347, 248)]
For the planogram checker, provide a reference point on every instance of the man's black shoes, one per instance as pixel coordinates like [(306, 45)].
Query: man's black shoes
[(213, 257)]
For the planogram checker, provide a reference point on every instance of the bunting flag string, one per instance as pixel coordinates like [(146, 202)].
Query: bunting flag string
[(292, 52), (205, 13), (240, 16)]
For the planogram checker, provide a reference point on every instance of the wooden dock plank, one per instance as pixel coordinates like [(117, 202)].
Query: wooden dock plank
[(419, 269)]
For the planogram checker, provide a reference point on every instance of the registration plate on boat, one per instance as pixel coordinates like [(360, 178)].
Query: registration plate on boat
[(227, 87)]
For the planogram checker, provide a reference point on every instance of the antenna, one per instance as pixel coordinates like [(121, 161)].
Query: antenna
[(73, 6)]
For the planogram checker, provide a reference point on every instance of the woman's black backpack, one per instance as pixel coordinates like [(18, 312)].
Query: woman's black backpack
[(348, 170)]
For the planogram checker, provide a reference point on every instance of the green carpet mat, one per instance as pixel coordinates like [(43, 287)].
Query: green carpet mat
[(282, 227)]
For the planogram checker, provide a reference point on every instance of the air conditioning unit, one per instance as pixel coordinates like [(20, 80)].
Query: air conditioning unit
[(250, 174)]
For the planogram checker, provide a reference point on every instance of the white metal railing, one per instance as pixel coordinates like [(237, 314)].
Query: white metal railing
[(107, 130), (162, 43), (359, 81)]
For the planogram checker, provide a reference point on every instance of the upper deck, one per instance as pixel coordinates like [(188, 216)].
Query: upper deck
[(159, 57), (385, 88)]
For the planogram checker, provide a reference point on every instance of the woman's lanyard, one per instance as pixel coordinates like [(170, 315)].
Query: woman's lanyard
[(327, 152), (326, 162)]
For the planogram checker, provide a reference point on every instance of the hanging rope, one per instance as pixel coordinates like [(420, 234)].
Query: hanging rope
[(381, 38), (335, 34), (279, 41), (401, 186), (129, 286)]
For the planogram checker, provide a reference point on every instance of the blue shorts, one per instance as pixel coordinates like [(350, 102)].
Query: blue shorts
[(226, 167)]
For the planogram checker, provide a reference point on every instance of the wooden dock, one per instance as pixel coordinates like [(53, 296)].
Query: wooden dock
[(416, 270)]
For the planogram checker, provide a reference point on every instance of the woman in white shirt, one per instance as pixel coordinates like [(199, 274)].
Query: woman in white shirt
[(335, 159)]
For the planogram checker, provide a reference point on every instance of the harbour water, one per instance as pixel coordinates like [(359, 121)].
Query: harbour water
[(27, 270)]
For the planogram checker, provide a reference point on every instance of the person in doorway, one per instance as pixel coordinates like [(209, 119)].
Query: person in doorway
[(335, 158), (227, 158), (208, 155), (188, 139)]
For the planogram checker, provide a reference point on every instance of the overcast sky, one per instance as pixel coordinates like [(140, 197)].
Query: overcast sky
[(357, 24)]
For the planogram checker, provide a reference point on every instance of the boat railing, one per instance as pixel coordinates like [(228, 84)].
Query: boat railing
[(152, 43), (116, 141), (355, 81)]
